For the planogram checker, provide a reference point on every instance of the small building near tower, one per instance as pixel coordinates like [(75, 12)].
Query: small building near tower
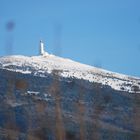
[(42, 50)]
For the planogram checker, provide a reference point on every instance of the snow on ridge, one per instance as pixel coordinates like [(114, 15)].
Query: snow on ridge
[(69, 68)]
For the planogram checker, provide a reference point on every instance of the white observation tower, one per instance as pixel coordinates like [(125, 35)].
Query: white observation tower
[(42, 51)]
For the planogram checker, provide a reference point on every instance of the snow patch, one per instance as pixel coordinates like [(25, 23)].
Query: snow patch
[(42, 65)]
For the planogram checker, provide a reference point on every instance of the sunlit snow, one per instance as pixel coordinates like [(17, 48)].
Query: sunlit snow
[(46, 64)]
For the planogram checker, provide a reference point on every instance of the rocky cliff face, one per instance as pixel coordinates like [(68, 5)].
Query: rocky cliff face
[(51, 98)]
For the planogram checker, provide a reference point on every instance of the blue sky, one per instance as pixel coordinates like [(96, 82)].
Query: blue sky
[(103, 33)]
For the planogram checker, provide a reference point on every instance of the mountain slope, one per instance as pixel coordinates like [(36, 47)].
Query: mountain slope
[(52, 98)]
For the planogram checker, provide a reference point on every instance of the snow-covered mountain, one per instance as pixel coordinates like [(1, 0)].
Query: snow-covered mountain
[(51, 98), (41, 65)]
